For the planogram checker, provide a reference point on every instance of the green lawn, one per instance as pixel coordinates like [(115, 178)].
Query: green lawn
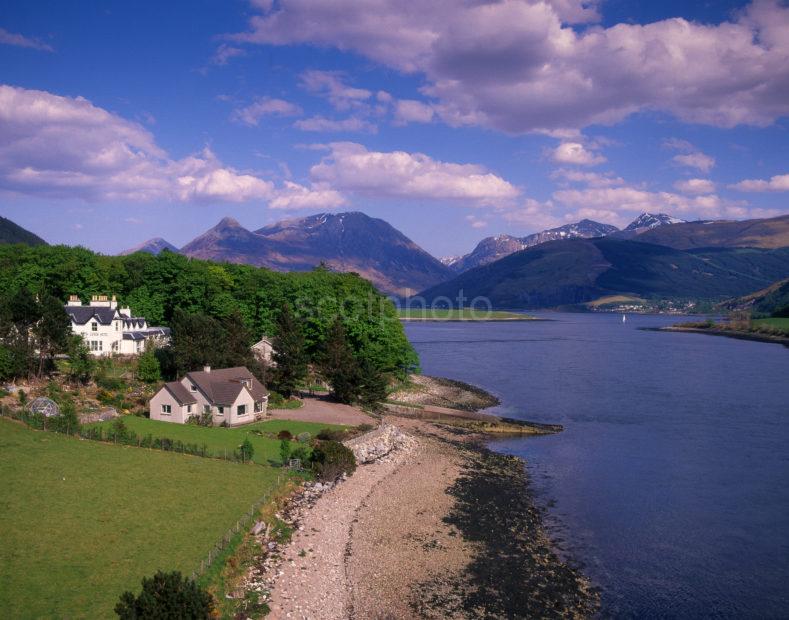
[(82, 521), (223, 440), (464, 314), (782, 323)]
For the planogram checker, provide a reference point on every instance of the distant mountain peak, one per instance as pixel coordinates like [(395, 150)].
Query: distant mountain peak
[(647, 221), (11, 232), (152, 246), (227, 222)]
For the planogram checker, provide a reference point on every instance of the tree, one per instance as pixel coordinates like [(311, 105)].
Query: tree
[(284, 451), (166, 596), (289, 353), (246, 450), (52, 330), (148, 368), (339, 366), (196, 341), (372, 385), (82, 365)]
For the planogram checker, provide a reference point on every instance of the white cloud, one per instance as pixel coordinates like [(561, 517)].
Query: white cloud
[(412, 111), (516, 65), (20, 40), (695, 186), (331, 84), (295, 196), (592, 179), (576, 153), (65, 147), (697, 160), (224, 53), (777, 183), (476, 222), (397, 174), (264, 106), (323, 124)]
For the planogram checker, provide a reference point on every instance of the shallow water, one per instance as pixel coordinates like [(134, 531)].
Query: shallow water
[(670, 482)]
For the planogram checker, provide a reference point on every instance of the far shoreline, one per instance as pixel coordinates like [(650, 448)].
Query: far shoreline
[(727, 333)]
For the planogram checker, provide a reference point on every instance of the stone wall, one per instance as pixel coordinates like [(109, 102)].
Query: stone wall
[(378, 443)]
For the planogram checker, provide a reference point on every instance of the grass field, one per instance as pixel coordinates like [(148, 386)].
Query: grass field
[(221, 441), (782, 323), (82, 521), (464, 314)]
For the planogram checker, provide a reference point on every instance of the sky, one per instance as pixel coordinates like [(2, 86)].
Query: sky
[(452, 120)]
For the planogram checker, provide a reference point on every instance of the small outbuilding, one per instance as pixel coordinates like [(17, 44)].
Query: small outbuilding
[(44, 406)]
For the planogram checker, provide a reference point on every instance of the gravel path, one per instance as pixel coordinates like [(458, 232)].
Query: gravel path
[(316, 409)]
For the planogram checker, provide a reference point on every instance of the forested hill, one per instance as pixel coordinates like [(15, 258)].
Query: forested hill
[(154, 286), (14, 233)]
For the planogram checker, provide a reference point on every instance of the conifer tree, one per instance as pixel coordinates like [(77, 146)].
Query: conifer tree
[(289, 353), (339, 366)]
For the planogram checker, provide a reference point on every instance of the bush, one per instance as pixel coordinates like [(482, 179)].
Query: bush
[(246, 450), (166, 595), (285, 434), (301, 453), (22, 396), (110, 383), (148, 368), (327, 434), (331, 459), (284, 451), (303, 437)]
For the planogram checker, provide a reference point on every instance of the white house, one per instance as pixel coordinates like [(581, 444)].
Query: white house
[(107, 329), (230, 395), (263, 350)]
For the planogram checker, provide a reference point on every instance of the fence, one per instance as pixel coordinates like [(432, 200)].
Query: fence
[(224, 542)]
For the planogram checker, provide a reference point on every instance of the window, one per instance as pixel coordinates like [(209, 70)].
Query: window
[(95, 345), (206, 408), (220, 410), (242, 410), (94, 327), (193, 387), (167, 409), (258, 406), (189, 409), (117, 325)]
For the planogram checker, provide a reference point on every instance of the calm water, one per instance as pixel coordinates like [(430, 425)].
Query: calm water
[(670, 482)]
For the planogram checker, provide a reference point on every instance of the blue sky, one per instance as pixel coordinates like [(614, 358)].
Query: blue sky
[(123, 121)]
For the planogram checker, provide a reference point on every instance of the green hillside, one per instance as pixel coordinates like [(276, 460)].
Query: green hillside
[(580, 270), (13, 233)]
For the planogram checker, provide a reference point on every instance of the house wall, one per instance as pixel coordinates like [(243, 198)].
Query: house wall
[(110, 336), (179, 413)]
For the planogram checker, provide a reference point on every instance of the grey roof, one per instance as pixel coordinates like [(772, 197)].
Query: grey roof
[(146, 333), (82, 314), (223, 385), (180, 393)]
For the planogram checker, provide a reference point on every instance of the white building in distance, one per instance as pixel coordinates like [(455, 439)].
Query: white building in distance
[(107, 329)]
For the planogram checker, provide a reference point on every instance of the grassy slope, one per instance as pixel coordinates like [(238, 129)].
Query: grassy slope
[(464, 314), (774, 322), (83, 521), (220, 439)]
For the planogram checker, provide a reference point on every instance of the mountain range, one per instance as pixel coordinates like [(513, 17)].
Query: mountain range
[(11, 232)]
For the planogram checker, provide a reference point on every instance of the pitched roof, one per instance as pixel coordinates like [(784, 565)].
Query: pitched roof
[(180, 393), (223, 385), (82, 314)]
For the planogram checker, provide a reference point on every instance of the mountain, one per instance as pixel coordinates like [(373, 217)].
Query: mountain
[(770, 301), (14, 233), (579, 270), (494, 248), (762, 233), (342, 241), (648, 221), (152, 246)]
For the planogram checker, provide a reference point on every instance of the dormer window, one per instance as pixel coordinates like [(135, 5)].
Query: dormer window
[(193, 387), (94, 327)]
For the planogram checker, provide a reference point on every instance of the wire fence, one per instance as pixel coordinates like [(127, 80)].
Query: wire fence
[(224, 542)]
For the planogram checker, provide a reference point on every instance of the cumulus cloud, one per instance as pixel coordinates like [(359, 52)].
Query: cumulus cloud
[(295, 196), (695, 186), (224, 53), (20, 40), (332, 86), (697, 160), (518, 66), (412, 111), (592, 179), (576, 153), (777, 183), (264, 106), (351, 167), (65, 147), (323, 124)]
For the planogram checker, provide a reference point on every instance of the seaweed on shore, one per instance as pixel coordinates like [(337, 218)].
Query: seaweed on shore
[(516, 573)]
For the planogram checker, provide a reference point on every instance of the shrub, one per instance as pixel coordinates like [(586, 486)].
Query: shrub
[(110, 383), (166, 595), (303, 437), (22, 396), (285, 434), (301, 453), (284, 451), (327, 434), (331, 459), (246, 450), (148, 368)]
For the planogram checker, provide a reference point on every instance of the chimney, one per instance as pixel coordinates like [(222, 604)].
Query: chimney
[(206, 369), (74, 300)]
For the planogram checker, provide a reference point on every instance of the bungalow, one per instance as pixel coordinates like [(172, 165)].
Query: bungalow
[(107, 329), (231, 395), (264, 351)]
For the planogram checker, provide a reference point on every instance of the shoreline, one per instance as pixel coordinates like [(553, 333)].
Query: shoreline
[(441, 528), (728, 333)]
